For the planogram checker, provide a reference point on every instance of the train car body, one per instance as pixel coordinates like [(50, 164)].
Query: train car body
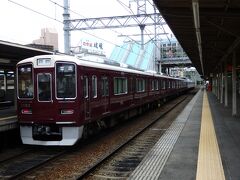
[(58, 96)]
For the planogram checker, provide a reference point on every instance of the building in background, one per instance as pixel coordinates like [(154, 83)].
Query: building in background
[(89, 47), (169, 55), (172, 50), (49, 37)]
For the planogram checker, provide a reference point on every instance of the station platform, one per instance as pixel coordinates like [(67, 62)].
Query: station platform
[(202, 143), (8, 119)]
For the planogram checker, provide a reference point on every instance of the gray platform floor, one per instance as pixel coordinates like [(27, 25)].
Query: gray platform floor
[(182, 161), (8, 119)]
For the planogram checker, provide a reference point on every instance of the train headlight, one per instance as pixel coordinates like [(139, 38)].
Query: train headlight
[(26, 111), (67, 111)]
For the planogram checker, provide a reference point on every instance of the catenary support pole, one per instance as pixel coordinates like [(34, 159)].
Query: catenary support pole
[(142, 26), (222, 85), (66, 27), (225, 84), (234, 87), (218, 84)]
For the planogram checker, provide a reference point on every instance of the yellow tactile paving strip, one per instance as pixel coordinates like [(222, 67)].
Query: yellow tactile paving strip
[(209, 160)]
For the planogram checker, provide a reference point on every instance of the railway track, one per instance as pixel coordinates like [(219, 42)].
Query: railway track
[(22, 163), (123, 160), (8, 156), (100, 157)]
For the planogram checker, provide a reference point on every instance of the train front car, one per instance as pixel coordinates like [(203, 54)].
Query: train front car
[(48, 101)]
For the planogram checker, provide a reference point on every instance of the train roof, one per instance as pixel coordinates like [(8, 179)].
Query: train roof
[(88, 62)]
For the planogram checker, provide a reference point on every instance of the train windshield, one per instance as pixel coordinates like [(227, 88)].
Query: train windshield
[(65, 80), (25, 81)]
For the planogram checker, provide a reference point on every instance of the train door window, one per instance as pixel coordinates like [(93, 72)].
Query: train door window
[(85, 87), (133, 85), (94, 86), (163, 84), (156, 87), (152, 88), (104, 86), (44, 87), (120, 85), (25, 81), (130, 85)]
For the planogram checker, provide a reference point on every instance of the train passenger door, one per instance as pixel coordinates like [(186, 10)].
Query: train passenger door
[(86, 94), (44, 95), (105, 93)]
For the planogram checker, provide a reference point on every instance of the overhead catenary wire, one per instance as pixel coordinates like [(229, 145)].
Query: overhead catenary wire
[(99, 36), (68, 8), (30, 9), (49, 17), (131, 11), (82, 16)]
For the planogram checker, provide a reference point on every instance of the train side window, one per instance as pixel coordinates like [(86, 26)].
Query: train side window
[(140, 85), (104, 86), (2, 87), (10, 80), (44, 87), (85, 87), (2, 81), (120, 85), (94, 86)]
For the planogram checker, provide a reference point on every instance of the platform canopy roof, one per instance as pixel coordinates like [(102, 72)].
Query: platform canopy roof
[(11, 53), (208, 30)]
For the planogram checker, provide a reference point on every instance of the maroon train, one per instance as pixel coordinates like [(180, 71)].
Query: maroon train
[(62, 98)]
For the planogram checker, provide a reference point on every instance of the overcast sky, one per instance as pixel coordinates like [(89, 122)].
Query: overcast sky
[(21, 25)]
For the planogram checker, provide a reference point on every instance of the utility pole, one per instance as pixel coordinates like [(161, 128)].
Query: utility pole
[(141, 9), (141, 19), (66, 28)]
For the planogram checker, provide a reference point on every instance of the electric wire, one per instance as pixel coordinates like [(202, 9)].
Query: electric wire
[(30, 9), (130, 10), (99, 36), (37, 12)]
